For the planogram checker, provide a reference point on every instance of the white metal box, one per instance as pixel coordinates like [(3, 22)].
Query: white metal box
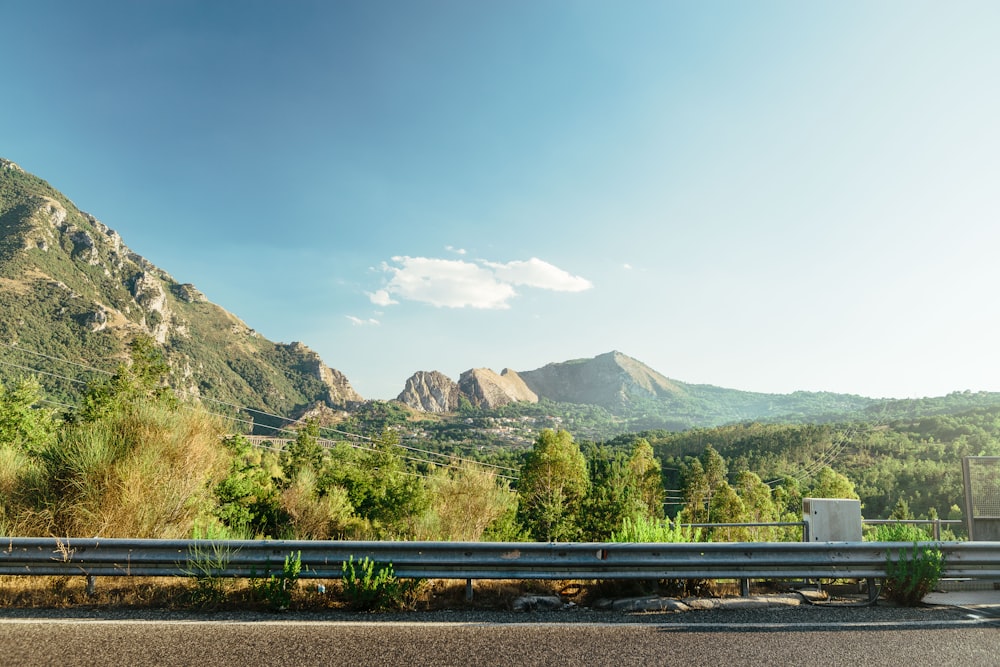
[(832, 519)]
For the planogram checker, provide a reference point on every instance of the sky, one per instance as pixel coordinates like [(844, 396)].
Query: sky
[(769, 196)]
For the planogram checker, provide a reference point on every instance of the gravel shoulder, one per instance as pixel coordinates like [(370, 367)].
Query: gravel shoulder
[(834, 612)]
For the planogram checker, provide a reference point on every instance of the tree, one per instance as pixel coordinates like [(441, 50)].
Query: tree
[(901, 511), (22, 425), (613, 495), (701, 480), (552, 487), (303, 452), (758, 505), (694, 485), (379, 487), (648, 476), (247, 501), (727, 507), (143, 380), (831, 484)]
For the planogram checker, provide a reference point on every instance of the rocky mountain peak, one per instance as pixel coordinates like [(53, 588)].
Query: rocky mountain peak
[(608, 380), (338, 390), (430, 391), (435, 392), (484, 388)]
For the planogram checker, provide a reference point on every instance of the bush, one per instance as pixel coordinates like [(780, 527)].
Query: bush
[(898, 532), (465, 501), (642, 529), (277, 589), (371, 586), (913, 574), (314, 516), (205, 563), (145, 470)]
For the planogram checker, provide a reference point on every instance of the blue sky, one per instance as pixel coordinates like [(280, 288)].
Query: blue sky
[(771, 196)]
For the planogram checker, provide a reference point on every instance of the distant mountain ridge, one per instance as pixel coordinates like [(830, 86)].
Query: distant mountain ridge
[(609, 380), (625, 387)]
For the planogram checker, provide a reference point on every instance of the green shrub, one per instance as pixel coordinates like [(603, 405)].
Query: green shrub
[(277, 589), (898, 532), (913, 574), (205, 563), (371, 586), (642, 529)]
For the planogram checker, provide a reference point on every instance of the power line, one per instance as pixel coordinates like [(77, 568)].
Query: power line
[(451, 459), (63, 361), (35, 370)]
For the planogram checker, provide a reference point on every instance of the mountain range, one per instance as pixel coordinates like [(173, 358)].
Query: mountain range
[(625, 388), (72, 296)]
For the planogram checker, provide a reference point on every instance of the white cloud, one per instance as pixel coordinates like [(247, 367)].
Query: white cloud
[(537, 273), (454, 283), (358, 322), (447, 283), (457, 251), (627, 267), (381, 298)]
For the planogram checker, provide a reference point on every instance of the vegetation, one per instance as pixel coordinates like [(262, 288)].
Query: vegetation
[(553, 485), (642, 530), (205, 563), (912, 574), (276, 590), (125, 432), (371, 586), (86, 472)]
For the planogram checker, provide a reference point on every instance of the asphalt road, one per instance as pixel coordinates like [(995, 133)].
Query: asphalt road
[(804, 637)]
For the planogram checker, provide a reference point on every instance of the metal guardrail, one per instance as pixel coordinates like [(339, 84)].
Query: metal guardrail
[(483, 560)]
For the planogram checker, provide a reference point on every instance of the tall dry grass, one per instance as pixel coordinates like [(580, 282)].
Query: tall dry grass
[(146, 471), (465, 500), (315, 516)]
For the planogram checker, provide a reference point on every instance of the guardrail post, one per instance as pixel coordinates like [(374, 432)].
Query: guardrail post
[(872, 591), (468, 590), (91, 585), (744, 588)]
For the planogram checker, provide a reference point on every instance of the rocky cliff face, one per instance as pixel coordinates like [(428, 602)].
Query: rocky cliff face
[(338, 390), (485, 389), (435, 392), (69, 286), (430, 391)]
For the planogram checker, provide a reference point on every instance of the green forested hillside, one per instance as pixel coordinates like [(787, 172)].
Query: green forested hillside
[(73, 296), (915, 460)]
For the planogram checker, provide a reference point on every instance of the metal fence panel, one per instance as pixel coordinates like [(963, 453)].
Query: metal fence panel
[(478, 560)]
